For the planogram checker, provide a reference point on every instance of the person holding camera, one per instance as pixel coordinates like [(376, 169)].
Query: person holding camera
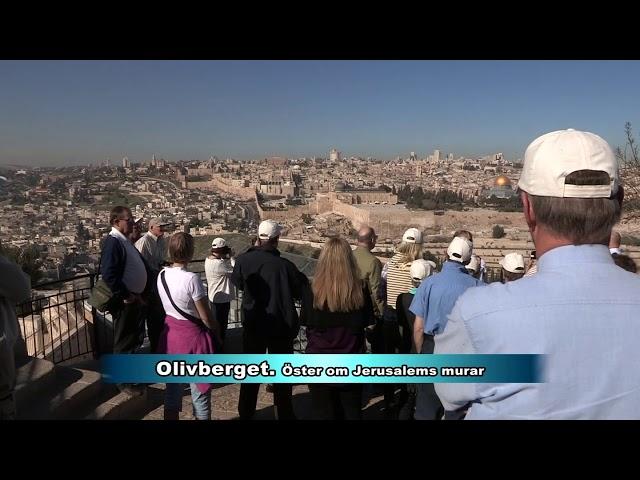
[(218, 268)]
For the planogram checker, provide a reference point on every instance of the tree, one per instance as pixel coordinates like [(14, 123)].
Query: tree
[(498, 231), (629, 160), (27, 257)]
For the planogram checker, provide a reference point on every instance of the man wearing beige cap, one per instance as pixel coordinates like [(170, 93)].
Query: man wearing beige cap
[(579, 309), (431, 305), (512, 267), (153, 249), (151, 245)]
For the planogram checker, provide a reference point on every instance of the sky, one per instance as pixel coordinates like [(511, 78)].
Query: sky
[(80, 112)]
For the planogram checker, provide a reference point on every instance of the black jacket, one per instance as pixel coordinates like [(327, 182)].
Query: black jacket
[(270, 286)]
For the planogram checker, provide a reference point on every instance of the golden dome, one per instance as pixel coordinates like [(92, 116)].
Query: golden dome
[(502, 181)]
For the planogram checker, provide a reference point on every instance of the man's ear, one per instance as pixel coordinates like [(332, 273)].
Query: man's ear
[(527, 209), (620, 196)]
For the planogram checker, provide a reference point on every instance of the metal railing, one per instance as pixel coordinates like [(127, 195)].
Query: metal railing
[(59, 325)]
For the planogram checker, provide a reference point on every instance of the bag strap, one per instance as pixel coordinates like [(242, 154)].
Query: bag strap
[(193, 319)]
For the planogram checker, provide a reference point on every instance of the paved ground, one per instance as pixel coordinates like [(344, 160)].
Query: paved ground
[(225, 403)]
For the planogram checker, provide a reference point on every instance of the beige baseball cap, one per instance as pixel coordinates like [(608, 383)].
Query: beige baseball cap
[(549, 159), (158, 221), (420, 269), (269, 229), (412, 235), (459, 250), (474, 264), (513, 262)]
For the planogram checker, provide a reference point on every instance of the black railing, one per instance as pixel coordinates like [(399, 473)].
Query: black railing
[(59, 325)]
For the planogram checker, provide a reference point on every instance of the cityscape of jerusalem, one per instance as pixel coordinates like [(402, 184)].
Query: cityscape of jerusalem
[(58, 214), (62, 213)]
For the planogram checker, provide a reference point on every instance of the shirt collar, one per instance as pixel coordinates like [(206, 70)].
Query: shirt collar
[(573, 255), (116, 233), (451, 266), (152, 236)]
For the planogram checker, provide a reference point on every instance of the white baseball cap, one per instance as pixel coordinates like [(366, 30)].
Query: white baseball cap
[(549, 159), (459, 250), (420, 269), (269, 229), (218, 243), (412, 235), (474, 264), (513, 262)]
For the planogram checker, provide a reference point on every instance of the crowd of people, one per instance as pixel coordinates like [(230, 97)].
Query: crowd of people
[(570, 298)]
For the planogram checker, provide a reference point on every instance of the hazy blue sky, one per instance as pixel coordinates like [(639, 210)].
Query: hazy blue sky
[(78, 112)]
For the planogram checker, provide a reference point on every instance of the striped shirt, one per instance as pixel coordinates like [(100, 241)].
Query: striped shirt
[(533, 269), (398, 278)]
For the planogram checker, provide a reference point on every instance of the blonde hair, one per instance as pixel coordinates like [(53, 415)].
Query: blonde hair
[(336, 282), (410, 251)]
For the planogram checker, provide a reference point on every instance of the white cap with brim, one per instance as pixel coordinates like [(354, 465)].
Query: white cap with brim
[(474, 264), (412, 235), (420, 269), (459, 250), (513, 262), (269, 229), (549, 159), (218, 243)]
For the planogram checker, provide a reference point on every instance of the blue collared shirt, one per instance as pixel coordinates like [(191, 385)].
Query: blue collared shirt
[(582, 311), (437, 295)]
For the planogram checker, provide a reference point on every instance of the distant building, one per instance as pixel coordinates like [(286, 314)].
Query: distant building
[(334, 156), (500, 187)]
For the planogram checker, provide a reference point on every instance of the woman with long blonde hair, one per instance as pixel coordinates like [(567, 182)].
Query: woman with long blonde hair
[(336, 313)]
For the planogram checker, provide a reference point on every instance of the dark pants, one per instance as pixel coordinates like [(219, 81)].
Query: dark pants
[(336, 402), (428, 406), (407, 391), (257, 340), (391, 341), (221, 314), (128, 327), (155, 320)]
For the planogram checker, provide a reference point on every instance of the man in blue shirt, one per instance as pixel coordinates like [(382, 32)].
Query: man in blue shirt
[(580, 309), (433, 301)]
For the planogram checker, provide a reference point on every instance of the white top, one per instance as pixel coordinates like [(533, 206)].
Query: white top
[(186, 288), (152, 249), (135, 273), (218, 271)]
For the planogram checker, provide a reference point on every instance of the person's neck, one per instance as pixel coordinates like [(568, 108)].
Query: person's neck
[(546, 240), (366, 246), (180, 265)]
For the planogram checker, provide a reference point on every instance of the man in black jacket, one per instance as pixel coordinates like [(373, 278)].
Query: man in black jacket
[(123, 270), (270, 286)]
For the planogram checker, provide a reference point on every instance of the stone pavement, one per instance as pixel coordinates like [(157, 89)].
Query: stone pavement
[(225, 403)]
